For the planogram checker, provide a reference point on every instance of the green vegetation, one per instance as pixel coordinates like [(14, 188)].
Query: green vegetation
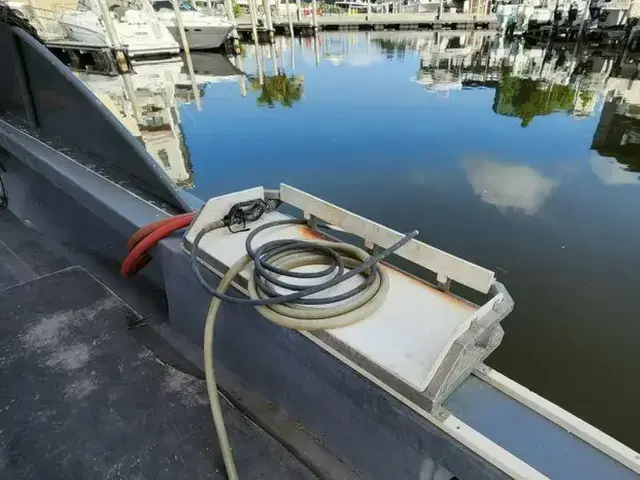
[(328, 8), (278, 89), (585, 98), (238, 10), (392, 48), (525, 98)]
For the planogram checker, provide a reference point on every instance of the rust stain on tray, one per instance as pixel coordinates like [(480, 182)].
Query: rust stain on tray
[(307, 232), (432, 290), (311, 234)]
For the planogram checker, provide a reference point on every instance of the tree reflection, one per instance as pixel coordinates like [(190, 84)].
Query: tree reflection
[(392, 48), (278, 89), (525, 98)]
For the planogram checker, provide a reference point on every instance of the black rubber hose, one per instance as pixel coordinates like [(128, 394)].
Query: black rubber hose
[(266, 272)]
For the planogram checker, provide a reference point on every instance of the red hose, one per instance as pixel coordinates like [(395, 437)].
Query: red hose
[(146, 237), (147, 229)]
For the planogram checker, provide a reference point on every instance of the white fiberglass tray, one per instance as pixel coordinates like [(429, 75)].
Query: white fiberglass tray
[(408, 336)]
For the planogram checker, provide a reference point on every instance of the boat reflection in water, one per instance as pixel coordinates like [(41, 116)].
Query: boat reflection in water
[(528, 82), (148, 103)]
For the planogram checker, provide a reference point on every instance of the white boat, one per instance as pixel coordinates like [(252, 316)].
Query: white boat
[(203, 31), (136, 27)]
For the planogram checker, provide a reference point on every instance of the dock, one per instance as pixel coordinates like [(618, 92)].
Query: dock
[(382, 21)]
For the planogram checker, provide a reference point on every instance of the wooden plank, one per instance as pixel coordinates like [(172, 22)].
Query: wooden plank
[(420, 253), (574, 425)]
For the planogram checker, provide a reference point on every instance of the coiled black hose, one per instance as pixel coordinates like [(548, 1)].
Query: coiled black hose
[(276, 259)]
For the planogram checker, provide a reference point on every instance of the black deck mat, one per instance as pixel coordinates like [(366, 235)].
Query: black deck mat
[(12, 269), (79, 398), (41, 255)]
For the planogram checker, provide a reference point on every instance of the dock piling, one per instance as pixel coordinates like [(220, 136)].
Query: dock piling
[(231, 16), (131, 96), (289, 17), (243, 84), (228, 6), (313, 22), (293, 54), (254, 19), (268, 19), (314, 15), (316, 49), (585, 17), (187, 53), (274, 58), (108, 24)]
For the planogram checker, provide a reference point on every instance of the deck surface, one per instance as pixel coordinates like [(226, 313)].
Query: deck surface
[(81, 398)]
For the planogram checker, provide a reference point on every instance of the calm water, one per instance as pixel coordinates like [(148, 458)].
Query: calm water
[(519, 160)]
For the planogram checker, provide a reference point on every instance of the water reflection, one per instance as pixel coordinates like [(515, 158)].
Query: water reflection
[(528, 82), (148, 103), (279, 88), (612, 173), (508, 186), (518, 158), (618, 131)]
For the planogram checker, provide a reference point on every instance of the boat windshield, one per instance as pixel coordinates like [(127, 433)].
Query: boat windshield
[(120, 6), (184, 5)]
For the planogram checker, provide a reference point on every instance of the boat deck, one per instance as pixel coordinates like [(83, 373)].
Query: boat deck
[(81, 397)]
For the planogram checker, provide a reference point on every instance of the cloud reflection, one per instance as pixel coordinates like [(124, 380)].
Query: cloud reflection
[(610, 172), (507, 186)]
